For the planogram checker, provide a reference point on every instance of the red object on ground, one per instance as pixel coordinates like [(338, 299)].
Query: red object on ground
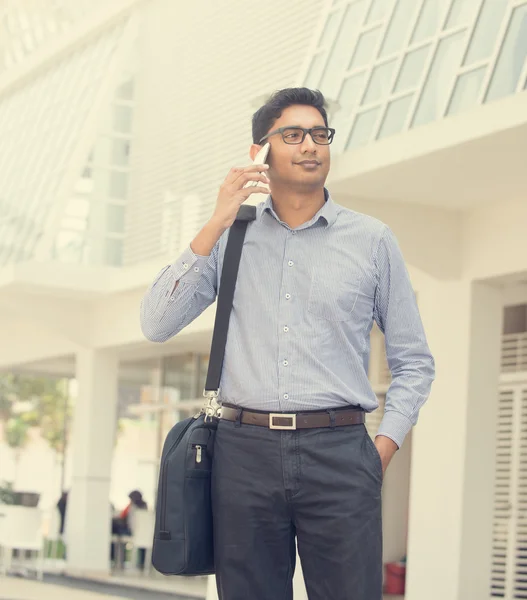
[(394, 578)]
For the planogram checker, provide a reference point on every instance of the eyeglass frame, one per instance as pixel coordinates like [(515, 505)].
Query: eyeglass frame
[(305, 132)]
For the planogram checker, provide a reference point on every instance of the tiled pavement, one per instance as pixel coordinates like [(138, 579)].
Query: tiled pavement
[(61, 588), (64, 588)]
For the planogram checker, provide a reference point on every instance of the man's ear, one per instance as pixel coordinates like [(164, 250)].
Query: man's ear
[(255, 148)]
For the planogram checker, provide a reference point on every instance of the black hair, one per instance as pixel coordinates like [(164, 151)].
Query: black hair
[(266, 115)]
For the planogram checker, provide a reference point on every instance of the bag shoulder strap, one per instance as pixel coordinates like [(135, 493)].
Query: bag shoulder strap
[(231, 262)]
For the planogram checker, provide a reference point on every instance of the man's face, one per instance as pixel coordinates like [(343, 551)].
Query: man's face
[(305, 165)]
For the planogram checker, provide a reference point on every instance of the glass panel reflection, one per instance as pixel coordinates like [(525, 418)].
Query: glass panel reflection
[(396, 115), (364, 51), (463, 12), (399, 27), (430, 20), (115, 215), (363, 128), (331, 28), (412, 69), (486, 30), (380, 83), (348, 99), (512, 57), (467, 91), (379, 10), (437, 86), (315, 71), (342, 50)]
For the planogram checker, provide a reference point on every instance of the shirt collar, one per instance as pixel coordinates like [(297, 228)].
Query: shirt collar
[(328, 212)]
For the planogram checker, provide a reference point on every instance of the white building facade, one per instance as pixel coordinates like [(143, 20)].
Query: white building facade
[(118, 123)]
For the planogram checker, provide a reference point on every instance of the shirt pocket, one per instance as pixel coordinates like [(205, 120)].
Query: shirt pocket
[(331, 296)]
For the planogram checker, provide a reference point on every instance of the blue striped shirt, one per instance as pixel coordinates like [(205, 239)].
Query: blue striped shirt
[(305, 303)]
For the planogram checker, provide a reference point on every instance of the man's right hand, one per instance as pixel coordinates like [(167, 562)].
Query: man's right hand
[(233, 193)]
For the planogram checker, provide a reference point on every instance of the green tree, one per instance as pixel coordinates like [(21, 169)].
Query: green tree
[(30, 401), (16, 435)]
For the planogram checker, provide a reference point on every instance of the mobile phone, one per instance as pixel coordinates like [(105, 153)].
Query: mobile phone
[(259, 159)]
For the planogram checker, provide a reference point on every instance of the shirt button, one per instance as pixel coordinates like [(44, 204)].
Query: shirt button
[(185, 265), (288, 296), (196, 269), (286, 396), (290, 263), (286, 329), (285, 363)]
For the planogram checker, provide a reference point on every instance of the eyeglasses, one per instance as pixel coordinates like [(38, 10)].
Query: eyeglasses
[(296, 135)]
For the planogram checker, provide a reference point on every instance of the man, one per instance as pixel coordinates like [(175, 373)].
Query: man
[(292, 457)]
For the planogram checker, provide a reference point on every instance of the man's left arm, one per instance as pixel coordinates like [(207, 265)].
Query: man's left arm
[(409, 358)]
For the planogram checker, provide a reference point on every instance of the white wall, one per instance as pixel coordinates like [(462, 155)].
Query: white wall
[(495, 239)]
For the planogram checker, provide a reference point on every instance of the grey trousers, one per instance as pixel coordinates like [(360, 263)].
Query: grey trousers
[(320, 486)]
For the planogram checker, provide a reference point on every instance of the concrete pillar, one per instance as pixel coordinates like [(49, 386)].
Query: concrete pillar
[(449, 545), (88, 512)]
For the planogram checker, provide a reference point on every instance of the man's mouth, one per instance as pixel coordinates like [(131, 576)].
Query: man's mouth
[(309, 163)]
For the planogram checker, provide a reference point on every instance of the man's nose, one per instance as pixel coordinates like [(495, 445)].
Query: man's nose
[(308, 145)]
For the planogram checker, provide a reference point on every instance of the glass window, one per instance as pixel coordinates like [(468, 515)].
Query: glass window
[(437, 86), (467, 90), (364, 51), (399, 27), (120, 152), (379, 10), (179, 373), (412, 69), (363, 128), (118, 185), (380, 83), (341, 52), (429, 21), (113, 252), (512, 56), (330, 30), (462, 13), (351, 92), (115, 218), (315, 70), (122, 119), (396, 115), (349, 99), (486, 30)]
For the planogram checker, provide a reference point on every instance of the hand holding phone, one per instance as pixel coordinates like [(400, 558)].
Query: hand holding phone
[(240, 183), (259, 159)]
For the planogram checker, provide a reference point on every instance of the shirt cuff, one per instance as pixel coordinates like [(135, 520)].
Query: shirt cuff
[(189, 266), (395, 425)]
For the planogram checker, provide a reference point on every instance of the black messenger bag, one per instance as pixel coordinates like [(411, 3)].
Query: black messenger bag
[(183, 540)]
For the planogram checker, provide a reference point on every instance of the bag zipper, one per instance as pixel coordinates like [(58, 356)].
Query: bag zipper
[(198, 450), (165, 535)]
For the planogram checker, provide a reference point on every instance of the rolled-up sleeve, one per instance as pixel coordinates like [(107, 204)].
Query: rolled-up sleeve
[(180, 292), (409, 357)]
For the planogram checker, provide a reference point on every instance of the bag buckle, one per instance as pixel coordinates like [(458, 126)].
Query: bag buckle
[(276, 421), (211, 410)]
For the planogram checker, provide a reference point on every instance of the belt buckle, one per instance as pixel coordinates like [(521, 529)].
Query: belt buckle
[(273, 416)]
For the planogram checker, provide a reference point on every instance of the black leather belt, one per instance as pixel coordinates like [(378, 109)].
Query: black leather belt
[(337, 417)]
